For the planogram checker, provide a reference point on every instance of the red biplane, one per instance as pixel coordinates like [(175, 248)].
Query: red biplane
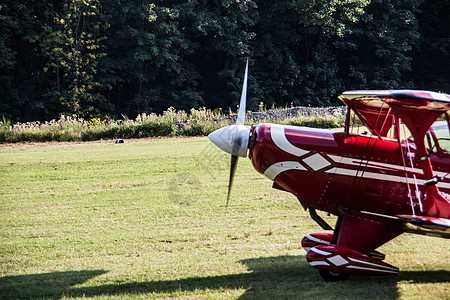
[(385, 174)]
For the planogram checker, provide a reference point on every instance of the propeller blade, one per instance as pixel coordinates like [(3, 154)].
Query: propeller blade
[(233, 165), (241, 114), (234, 139)]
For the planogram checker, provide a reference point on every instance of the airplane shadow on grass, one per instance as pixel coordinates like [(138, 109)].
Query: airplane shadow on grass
[(269, 277)]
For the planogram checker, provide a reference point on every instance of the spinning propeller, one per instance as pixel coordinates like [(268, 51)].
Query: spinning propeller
[(234, 139)]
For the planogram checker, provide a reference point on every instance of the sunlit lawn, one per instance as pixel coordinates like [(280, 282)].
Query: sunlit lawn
[(147, 219)]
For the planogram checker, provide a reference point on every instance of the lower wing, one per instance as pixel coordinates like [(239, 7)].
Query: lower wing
[(432, 226)]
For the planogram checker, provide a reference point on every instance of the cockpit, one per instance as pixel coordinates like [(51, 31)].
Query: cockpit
[(438, 138)]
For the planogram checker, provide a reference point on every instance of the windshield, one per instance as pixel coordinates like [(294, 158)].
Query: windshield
[(438, 138)]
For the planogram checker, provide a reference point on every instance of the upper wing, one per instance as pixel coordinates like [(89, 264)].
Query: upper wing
[(375, 107), (412, 98)]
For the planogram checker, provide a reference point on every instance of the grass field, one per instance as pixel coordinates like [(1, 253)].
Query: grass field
[(147, 219)]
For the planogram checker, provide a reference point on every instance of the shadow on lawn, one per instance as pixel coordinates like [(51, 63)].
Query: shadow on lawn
[(47, 285), (270, 277)]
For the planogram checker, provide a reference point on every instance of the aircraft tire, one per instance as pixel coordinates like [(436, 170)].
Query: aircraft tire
[(333, 277)]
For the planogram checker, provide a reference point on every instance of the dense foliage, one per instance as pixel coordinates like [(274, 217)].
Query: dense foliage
[(111, 57)]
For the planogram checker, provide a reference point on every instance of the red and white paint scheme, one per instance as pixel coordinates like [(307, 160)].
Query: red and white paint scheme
[(341, 260), (316, 239), (391, 179)]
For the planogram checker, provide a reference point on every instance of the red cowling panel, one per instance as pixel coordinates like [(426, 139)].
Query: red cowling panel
[(339, 259)]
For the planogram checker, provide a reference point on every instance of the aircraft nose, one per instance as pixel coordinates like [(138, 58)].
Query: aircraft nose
[(232, 139)]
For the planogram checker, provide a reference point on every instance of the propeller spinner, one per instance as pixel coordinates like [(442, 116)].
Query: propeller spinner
[(234, 139)]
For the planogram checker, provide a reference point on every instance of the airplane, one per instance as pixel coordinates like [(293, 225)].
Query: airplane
[(386, 173)]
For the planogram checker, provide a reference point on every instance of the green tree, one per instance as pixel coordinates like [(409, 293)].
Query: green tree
[(23, 81), (7, 58), (431, 58), (72, 43), (127, 57), (295, 48), (146, 69), (378, 55), (221, 32)]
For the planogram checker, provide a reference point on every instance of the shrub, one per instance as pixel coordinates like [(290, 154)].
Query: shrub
[(316, 122), (155, 128), (195, 129), (171, 123)]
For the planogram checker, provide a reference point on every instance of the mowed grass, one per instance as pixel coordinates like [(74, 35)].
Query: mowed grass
[(147, 219)]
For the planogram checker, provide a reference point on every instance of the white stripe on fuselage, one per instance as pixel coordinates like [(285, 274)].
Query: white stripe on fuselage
[(278, 136), (274, 170), (372, 175), (277, 168), (372, 164)]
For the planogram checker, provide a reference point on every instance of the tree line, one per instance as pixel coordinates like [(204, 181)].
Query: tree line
[(114, 57)]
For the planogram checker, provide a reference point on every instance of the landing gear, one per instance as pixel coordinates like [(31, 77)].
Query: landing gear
[(336, 263), (333, 277)]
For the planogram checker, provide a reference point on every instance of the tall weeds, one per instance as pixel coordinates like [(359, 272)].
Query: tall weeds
[(169, 124)]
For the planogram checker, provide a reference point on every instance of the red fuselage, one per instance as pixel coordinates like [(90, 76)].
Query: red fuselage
[(378, 186), (331, 171)]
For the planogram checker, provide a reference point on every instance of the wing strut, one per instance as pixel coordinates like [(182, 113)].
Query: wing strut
[(322, 223), (408, 154)]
